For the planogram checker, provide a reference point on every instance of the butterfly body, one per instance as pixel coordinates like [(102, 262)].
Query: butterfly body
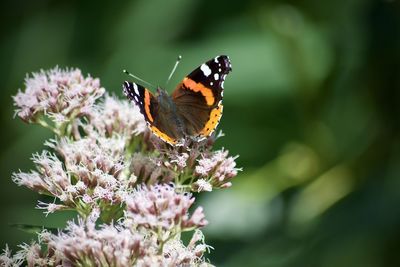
[(169, 119), (192, 110)]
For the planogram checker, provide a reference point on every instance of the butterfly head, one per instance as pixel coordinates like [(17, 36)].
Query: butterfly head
[(164, 99), (160, 91)]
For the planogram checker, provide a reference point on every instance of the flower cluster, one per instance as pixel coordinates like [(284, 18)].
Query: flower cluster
[(113, 116), (86, 174), (161, 207), (215, 169), (149, 169), (84, 244), (105, 164), (195, 165), (62, 94)]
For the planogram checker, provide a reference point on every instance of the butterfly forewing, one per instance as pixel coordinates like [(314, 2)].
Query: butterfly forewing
[(198, 97), (143, 98)]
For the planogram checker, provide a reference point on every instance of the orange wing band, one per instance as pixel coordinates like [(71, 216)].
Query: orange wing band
[(213, 121), (147, 105), (163, 136), (198, 87)]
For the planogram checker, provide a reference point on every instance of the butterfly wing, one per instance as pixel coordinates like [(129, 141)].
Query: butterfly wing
[(199, 96), (148, 106)]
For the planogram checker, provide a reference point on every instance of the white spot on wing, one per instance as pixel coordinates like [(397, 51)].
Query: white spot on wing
[(222, 84), (211, 83), (222, 93), (136, 89), (219, 70), (216, 59), (216, 76), (205, 69), (137, 100)]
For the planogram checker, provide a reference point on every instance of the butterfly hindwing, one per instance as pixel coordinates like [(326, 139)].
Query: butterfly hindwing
[(148, 106), (199, 96)]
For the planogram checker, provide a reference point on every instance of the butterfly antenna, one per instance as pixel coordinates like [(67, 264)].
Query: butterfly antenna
[(137, 78), (173, 69)]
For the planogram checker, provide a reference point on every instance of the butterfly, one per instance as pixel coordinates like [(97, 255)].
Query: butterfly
[(194, 108)]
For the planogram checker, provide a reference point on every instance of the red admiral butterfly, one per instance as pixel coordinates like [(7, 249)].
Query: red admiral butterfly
[(194, 108)]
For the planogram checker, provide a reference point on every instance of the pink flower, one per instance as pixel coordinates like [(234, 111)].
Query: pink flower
[(88, 174), (160, 206), (202, 185), (180, 159), (50, 207), (205, 166), (217, 169), (114, 116), (61, 94), (9, 260), (50, 177), (82, 244), (105, 164), (150, 170)]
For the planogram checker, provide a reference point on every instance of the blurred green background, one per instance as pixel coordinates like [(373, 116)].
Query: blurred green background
[(312, 107)]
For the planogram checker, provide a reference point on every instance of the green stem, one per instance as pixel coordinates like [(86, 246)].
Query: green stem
[(47, 126)]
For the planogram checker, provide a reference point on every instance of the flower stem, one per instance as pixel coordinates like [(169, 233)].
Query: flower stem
[(47, 126)]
